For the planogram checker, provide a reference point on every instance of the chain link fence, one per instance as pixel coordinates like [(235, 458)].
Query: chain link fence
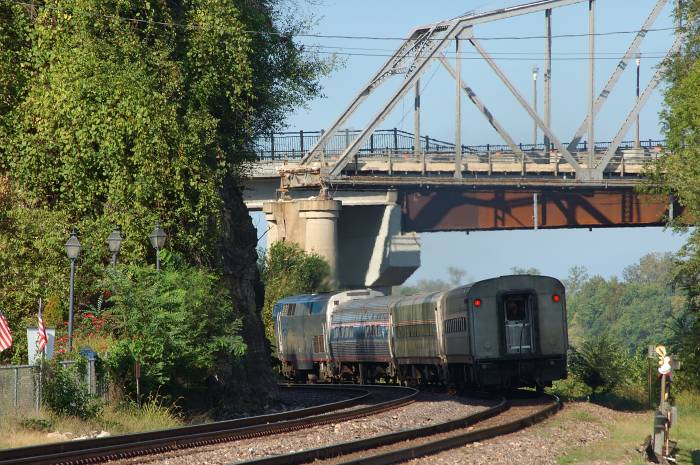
[(20, 386)]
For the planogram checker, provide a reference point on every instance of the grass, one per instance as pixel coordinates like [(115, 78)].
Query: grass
[(687, 431), (628, 430), (24, 429)]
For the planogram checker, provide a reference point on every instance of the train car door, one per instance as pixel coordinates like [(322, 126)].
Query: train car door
[(518, 310)]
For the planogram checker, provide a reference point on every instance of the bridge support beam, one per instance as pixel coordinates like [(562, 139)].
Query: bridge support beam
[(543, 208), (363, 245)]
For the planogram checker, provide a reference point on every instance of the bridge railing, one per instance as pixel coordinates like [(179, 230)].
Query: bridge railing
[(294, 145)]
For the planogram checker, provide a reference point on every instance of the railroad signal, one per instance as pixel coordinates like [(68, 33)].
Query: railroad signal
[(660, 351), (666, 414)]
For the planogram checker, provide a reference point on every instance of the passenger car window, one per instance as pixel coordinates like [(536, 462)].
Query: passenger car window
[(516, 309)]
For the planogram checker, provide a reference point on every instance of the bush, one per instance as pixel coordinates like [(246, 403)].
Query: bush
[(65, 391), (570, 388), (685, 343), (599, 363), (288, 270), (179, 324), (37, 424)]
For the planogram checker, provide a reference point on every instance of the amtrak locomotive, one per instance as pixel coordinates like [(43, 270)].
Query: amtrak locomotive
[(503, 332)]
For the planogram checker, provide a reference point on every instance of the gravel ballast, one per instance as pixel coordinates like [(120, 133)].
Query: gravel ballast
[(428, 409), (542, 444)]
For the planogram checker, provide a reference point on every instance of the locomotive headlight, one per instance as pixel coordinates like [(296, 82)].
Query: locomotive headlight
[(556, 298)]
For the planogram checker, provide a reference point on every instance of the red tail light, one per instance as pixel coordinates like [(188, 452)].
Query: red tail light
[(556, 298), (477, 303)]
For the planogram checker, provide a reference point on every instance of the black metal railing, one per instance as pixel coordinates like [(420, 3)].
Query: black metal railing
[(294, 145)]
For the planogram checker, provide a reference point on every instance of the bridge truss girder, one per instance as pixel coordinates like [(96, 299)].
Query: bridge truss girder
[(426, 43)]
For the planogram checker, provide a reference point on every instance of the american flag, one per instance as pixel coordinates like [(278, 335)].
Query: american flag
[(42, 339), (5, 333)]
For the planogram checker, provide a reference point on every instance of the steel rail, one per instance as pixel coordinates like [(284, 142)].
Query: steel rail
[(336, 450), (130, 445), (439, 445)]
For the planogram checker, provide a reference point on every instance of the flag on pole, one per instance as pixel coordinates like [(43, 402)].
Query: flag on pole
[(5, 333), (42, 339)]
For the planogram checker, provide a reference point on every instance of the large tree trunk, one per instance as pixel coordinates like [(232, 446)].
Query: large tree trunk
[(251, 382)]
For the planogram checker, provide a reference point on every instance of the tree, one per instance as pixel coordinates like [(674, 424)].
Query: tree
[(131, 111), (634, 311), (456, 276), (677, 172), (520, 270), (286, 271), (578, 275)]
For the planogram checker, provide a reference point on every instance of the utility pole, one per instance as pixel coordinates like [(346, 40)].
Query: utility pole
[(591, 83), (548, 77), (636, 137), (535, 71), (458, 112)]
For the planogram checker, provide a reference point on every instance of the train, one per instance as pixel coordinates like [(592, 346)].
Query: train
[(499, 333)]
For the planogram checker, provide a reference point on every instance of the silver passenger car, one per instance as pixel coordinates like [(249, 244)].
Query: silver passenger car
[(502, 332)]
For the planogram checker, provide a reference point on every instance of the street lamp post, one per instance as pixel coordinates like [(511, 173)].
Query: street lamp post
[(535, 71), (114, 242), (636, 139), (72, 251), (157, 238)]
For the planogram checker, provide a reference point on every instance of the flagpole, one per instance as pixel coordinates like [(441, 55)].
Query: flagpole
[(41, 362), (43, 349)]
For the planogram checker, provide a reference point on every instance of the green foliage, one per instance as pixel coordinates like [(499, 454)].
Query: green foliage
[(37, 424), (678, 172), (521, 270), (571, 388), (176, 323), (634, 311), (139, 120), (65, 391), (599, 363), (686, 344), (126, 112), (577, 277), (455, 277), (288, 270)]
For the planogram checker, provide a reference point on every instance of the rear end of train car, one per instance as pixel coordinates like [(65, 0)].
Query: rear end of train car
[(514, 332)]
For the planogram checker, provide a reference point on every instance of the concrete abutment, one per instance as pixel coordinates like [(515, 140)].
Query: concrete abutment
[(363, 245)]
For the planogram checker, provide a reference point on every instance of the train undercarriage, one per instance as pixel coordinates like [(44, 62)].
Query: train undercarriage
[(484, 374)]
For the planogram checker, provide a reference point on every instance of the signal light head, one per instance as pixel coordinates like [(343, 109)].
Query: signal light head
[(477, 303), (556, 298)]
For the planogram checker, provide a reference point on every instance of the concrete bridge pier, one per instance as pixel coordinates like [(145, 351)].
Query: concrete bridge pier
[(310, 223), (363, 245), (321, 228)]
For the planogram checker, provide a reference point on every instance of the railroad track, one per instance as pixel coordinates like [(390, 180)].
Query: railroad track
[(376, 398), (506, 416)]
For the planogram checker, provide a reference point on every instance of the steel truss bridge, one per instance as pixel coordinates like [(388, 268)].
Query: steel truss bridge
[(393, 152), (565, 181)]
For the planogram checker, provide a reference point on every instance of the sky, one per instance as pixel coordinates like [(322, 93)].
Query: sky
[(484, 254)]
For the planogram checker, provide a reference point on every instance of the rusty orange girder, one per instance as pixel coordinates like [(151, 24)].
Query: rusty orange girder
[(495, 208)]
